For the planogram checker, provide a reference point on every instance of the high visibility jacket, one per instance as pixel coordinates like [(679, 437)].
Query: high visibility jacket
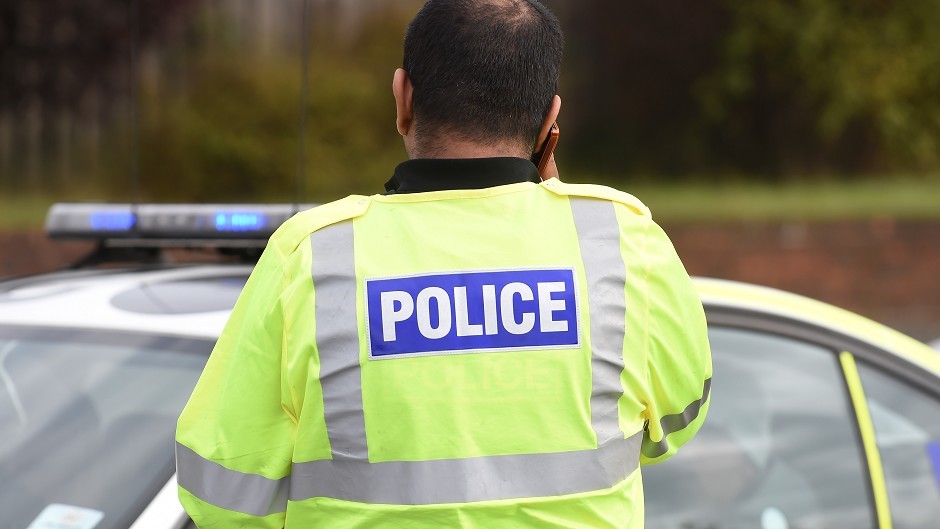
[(496, 358)]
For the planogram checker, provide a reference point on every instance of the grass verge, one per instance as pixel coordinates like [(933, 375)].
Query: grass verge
[(697, 202), (821, 201), (23, 212)]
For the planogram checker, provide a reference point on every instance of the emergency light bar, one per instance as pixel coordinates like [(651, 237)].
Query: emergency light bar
[(165, 222)]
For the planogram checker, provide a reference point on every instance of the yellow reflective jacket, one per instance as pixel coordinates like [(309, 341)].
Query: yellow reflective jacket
[(496, 358)]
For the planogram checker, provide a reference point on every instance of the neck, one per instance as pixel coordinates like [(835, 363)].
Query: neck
[(453, 149)]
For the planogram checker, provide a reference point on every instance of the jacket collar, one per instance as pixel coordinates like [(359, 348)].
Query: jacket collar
[(426, 174)]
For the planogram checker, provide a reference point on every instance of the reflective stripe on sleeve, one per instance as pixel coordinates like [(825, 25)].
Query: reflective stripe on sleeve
[(673, 423), (229, 489), (468, 480), (337, 336), (599, 239)]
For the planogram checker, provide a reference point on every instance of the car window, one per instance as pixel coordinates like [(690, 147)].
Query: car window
[(907, 431), (779, 448), (87, 421)]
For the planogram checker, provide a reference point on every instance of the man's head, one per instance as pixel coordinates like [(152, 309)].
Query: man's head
[(479, 72)]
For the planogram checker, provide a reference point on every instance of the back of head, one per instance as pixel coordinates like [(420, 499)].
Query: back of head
[(483, 70)]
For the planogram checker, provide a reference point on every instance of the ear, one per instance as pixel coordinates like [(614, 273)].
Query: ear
[(404, 102), (550, 118)]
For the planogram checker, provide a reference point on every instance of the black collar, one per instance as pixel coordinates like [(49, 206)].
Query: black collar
[(426, 174)]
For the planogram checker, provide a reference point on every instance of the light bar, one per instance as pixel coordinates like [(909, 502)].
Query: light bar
[(155, 222)]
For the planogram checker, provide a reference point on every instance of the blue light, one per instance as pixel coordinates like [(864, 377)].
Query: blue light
[(112, 221), (240, 221)]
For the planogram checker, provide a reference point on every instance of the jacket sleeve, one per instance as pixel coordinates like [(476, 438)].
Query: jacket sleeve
[(679, 368), (235, 437)]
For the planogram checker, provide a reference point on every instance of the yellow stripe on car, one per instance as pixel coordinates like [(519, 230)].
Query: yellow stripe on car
[(723, 293), (867, 429)]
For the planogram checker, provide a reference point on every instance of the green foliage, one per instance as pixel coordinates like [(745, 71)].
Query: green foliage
[(233, 127), (726, 91), (232, 134), (868, 68)]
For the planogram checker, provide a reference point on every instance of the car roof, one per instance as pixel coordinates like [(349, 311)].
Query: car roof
[(186, 301), (718, 293)]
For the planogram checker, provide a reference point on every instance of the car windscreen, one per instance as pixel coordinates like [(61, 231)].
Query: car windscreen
[(87, 422)]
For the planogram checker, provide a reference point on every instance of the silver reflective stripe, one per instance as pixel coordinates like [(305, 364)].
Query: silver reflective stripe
[(673, 423), (229, 489), (337, 335), (599, 237), (468, 480)]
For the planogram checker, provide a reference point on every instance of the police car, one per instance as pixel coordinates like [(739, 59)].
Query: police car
[(819, 418)]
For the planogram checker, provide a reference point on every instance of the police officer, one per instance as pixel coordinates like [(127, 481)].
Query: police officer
[(477, 348)]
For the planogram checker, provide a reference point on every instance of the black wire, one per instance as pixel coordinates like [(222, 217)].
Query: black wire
[(299, 187)]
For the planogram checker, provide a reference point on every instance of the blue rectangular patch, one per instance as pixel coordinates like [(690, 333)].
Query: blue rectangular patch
[(933, 450), (472, 312)]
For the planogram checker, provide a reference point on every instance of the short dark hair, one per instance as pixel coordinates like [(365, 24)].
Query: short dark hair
[(486, 70)]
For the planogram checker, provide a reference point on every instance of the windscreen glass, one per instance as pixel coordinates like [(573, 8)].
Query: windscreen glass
[(87, 421)]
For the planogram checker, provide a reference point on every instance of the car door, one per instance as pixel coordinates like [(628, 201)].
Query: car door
[(781, 447), (904, 410)]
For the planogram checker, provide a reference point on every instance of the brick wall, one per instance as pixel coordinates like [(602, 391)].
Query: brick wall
[(24, 253), (883, 269)]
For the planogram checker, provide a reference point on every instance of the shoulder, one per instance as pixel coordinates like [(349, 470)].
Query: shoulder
[(630, 202), (298, 228)]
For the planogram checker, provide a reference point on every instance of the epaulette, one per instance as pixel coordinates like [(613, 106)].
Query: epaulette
[(299, 227), (598, 191)]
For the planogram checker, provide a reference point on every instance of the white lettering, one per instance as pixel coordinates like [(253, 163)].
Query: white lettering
[(461, 311), (489, 310), (391, 316), (443, 311), (548, 307), (506, 305)]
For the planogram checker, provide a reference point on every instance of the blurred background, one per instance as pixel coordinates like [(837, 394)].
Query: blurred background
[(793, 143)]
